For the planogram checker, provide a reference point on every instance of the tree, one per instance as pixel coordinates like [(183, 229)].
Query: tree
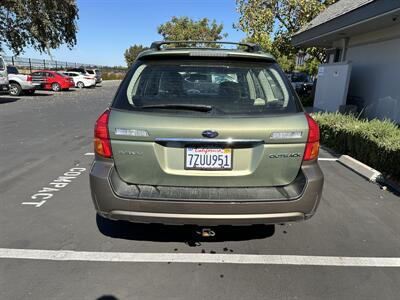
[(310, 66), (132, 52), (40, 24), (273, 22), (184, 28)]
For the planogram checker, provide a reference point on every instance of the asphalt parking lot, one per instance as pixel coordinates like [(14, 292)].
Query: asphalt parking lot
[(349, 250)]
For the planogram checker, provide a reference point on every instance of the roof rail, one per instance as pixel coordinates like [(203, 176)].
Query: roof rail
[(250, 47)]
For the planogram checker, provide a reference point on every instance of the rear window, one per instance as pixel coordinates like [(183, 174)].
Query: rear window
[(228, 87), (2, 66), (11, 70)]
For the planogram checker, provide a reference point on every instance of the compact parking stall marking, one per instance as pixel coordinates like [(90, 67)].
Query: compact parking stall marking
[(47, 192)]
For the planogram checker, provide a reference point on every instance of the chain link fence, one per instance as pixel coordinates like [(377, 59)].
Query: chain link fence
[(27, 65)]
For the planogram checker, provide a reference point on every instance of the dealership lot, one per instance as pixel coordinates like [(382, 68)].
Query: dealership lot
[(349, 250)]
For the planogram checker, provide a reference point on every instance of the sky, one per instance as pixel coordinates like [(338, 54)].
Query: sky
[(107, 27)]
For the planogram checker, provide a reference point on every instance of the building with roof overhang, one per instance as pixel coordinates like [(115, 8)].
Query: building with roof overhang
[(366, 33)]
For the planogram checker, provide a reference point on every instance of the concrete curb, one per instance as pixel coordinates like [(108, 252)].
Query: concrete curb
[(361, 168), (369, 173)]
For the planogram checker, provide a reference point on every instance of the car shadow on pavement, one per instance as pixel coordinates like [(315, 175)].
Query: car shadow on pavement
[(189, 234), (107, 297), (4, 100)]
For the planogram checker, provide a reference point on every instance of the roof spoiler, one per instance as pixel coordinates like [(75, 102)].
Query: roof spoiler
[(250, 47)]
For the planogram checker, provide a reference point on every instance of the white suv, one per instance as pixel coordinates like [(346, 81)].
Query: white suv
[(96, 73), (4, 85), (81, 80)]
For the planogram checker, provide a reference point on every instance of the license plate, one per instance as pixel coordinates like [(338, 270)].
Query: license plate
[(208, 158)]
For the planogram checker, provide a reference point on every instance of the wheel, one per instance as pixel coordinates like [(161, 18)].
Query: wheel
[(56, 87), (29, 92), (15, 89), (80, 85)]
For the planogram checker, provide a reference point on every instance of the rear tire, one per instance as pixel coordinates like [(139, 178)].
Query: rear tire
[(15, 89), (56, 87), (80, 85)]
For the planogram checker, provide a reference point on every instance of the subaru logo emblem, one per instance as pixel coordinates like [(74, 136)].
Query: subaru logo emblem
[(209, 134)]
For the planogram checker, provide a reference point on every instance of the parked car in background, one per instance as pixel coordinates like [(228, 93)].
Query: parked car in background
[(50, 80), (3, 76), (83, 71), (96, 73), (206, 137), (80, 70), (20, 83), (301, 82), (81, 80)]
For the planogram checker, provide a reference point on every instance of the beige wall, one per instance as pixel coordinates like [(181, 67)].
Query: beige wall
[(376, 73)]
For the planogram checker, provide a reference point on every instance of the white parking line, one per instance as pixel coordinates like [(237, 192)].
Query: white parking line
[(328, 159), (301, 260), (89, 154)]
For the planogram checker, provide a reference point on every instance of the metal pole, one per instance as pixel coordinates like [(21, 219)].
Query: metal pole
[(30, 66), (12, 59), (44, 64)]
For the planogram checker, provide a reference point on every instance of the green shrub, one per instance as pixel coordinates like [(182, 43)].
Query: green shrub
[(375, 143)]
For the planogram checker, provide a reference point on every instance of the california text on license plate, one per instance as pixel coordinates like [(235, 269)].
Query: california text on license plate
[(208, 158)]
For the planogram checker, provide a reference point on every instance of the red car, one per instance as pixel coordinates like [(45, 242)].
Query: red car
[(51, 80)]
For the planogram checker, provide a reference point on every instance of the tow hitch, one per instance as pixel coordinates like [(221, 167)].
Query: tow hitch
[(206, 232)]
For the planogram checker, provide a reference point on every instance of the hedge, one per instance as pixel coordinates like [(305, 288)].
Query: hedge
[(373, 142)]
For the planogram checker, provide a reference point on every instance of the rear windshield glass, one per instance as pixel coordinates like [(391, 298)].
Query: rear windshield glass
[(11, 69), (227, 87)]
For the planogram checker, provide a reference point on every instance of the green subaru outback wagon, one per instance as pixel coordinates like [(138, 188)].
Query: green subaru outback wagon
[(207, 136)]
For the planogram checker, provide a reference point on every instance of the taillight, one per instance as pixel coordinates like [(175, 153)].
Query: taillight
[(102, 144), (28, 78), (312, 146)]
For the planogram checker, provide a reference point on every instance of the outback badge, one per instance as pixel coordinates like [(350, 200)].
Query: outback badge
[(284, 155)]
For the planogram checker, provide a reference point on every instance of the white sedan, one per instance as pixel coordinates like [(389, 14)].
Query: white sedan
[(81, 80)]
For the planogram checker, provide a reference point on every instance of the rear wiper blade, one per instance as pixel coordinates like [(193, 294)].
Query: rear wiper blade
[(194, 107)]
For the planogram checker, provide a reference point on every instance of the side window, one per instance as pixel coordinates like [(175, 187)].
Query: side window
[(49, 74), (2, 65), (271, 83)]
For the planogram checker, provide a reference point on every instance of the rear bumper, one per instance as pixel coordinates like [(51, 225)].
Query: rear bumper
[(107, 199), (4, 87), (28, 86)]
